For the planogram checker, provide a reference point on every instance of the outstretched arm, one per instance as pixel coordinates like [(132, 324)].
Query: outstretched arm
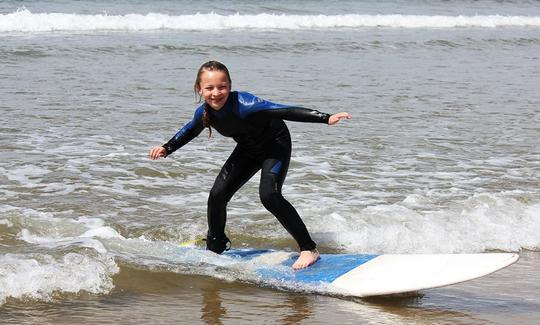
[(293, 113), (187, 133), (253, 105), (301, 114)]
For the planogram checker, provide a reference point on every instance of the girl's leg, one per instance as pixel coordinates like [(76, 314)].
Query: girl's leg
[(236, 171), (273, 173)]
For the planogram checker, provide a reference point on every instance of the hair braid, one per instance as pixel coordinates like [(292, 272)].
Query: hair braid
[(206, 120)]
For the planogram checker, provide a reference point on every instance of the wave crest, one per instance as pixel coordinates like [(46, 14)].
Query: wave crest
[(24, 21)]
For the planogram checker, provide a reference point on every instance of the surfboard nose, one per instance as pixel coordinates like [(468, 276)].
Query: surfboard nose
[(392, 274)]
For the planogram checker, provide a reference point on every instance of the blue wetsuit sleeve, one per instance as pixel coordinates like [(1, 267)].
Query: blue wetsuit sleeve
[(249, 104), (187, 133)]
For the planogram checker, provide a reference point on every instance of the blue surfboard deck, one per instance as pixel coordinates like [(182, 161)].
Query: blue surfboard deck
[(327, 269)]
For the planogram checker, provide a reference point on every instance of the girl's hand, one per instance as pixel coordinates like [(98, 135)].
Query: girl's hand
[(336, 117), (157, 152)]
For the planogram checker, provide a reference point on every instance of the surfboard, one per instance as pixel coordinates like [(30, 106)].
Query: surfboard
[(365, 275)]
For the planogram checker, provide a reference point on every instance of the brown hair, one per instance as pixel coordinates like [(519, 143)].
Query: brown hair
[(209, 66)]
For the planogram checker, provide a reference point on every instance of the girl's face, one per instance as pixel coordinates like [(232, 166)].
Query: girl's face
[(214, 87)]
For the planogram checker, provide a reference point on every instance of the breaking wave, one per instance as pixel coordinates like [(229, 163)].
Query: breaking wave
[(25, 21)]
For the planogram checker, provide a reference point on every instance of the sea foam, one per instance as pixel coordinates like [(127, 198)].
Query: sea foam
[(42, 276), (480, 223), (25, 21)]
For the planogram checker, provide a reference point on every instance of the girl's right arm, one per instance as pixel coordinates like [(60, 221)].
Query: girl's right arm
[(187, 133)]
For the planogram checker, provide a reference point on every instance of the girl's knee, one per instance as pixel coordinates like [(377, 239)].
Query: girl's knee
[(270, 198), (217, 196)]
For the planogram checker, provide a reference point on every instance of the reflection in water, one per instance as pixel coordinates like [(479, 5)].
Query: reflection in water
[(302, 308), (212, 310), (294, 309)]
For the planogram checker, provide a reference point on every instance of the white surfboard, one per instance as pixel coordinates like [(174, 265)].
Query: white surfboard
[(364, 275)]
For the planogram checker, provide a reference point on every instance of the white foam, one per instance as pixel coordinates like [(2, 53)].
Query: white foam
[(181, 200), (273, 258), (24, 21), (52, 232), (40, 276), (102, 232), (28, 175), (480, 223), (59, 234)]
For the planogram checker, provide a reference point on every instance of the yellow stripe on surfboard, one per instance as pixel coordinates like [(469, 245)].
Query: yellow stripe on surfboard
[(193, 242)]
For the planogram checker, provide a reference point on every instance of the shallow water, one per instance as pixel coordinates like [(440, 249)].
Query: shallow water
[(441, 156), (508, 296)]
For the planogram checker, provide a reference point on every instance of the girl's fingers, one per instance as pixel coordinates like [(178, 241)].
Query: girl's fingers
[(345, 115), (157, 152), (338, 116)]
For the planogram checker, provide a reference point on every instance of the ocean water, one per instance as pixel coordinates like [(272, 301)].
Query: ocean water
[(442, 155)]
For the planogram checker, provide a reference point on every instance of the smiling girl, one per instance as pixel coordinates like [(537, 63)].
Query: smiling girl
[(263, 143)]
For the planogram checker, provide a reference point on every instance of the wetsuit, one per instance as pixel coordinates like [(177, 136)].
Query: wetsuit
[(263, 143)]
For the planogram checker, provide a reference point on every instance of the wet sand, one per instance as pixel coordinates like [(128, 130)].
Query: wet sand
[(510, 296)]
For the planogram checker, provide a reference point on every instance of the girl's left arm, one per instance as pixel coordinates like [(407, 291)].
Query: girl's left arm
[(301, 114), (252, 105)]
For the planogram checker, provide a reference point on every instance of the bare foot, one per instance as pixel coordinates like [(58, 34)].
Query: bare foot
[(306, 259)]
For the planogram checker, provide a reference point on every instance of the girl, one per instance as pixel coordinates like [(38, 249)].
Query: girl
[(263, 143)]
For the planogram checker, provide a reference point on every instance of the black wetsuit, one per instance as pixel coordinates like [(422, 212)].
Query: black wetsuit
[(263, 143)]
